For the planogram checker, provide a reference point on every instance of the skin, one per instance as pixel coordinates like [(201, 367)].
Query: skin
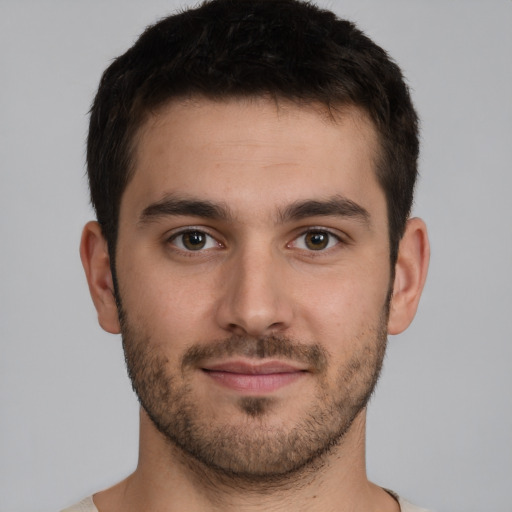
[(255, 277)]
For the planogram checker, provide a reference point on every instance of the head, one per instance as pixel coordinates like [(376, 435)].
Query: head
[(283, 49), (252, 165)]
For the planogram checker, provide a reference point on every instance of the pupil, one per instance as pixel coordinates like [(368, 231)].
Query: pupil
[(317, 240), (194, 240)]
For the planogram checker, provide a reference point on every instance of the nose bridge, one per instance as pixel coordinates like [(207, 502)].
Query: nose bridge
[(255, 299)]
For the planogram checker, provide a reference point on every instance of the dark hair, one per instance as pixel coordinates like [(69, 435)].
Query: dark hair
[(234, 48)]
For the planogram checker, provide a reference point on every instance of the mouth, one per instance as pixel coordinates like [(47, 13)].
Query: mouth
[(254, 378)]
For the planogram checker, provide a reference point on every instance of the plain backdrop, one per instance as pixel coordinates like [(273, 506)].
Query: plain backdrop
[(440, 424)]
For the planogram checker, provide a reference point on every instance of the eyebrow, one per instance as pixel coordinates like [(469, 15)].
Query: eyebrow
[(335, 206), (173, 206)]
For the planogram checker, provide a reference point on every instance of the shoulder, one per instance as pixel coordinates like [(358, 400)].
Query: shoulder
[(86, 505), (405, 506)]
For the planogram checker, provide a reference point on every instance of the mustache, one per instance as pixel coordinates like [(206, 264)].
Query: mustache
[(313, 355)]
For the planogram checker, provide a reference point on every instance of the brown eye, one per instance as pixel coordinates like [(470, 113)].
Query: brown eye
[(193, 240), (316, 240)]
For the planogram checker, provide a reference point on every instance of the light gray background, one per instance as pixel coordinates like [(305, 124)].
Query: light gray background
[(440, 424)]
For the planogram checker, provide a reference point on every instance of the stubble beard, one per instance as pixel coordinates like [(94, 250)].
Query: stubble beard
[(253, 451)]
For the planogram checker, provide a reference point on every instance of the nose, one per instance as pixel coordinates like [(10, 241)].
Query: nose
[(255, 299)]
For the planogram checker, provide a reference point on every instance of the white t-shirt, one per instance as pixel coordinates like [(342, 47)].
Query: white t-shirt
[(87, 505)]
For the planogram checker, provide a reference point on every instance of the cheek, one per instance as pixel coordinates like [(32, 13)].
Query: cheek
[(344, 307), (169, 306)]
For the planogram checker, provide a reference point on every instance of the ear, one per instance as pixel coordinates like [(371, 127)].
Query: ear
[(410, 274), (96, 263)]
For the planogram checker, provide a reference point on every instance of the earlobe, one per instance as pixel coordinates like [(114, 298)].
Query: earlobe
[(96, 263), (410, 274)]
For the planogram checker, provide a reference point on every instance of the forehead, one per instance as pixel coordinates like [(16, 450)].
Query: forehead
[(256, 152)]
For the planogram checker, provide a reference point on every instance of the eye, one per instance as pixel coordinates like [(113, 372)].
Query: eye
[(193, 240), (316, 240)]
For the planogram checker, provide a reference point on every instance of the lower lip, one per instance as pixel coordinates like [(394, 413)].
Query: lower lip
[(254, 383)]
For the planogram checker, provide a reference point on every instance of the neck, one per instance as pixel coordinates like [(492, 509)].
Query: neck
[(169, 480)]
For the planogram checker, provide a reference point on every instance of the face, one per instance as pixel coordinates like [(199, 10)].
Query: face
[(253, 276)]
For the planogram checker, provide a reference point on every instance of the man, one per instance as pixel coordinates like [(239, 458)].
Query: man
[(252, 166)]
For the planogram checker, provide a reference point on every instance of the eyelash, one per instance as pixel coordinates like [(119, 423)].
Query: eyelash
[(190, 232), (178, 241), (332, 240)]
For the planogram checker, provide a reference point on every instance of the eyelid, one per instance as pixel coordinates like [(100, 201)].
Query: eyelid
[(341, 238), (170, 237)]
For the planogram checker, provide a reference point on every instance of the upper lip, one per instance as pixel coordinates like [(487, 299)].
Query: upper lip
[(253, 368)]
